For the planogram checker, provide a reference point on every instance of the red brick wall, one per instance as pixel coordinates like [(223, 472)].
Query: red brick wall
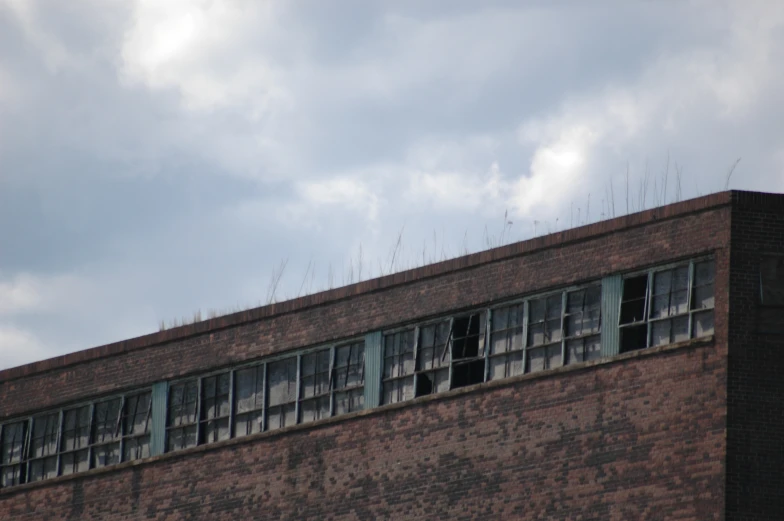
[(630, 242), (755, 435), (641, 438)]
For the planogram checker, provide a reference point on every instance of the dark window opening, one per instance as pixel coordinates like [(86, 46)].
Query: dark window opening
[(634, 337), (772, 282), (468, 350), (43, 447), (215, 408), (635, 290)]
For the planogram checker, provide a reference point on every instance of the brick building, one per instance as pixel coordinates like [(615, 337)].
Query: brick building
[(628, 369)]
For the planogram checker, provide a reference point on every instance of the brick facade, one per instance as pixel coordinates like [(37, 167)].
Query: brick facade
[(661, 433)]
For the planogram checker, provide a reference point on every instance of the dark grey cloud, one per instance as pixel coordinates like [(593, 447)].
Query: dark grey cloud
[(158, 158)]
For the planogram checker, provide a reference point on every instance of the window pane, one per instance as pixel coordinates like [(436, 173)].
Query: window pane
[(249, 389), (282, 385), (679, 303), (660, 332), (704, 273), (45, 468), (136, 448), (505, 366), (105, 455), (137, 414), (281, 416), (349, 401), (44, 439), (76, 429), (536, 360), (215, 396), (399, 354), (248, 423), (349, 366), (500, 319), (183, 402), (13, 442), (106, 423), (703, 324), (399, 390), (680, 329), (314, 409), (73, 462), (315, 374), (535, 334), (703, 297)]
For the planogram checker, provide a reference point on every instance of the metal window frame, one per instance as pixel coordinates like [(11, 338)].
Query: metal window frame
[(508, 333), (333, 388), (316, 397), (197, 415), (147, 421), (257, 368), (415, 338), (690, 311), (203, 422), (117, 429)]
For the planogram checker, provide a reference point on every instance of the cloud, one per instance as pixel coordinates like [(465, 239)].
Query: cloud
[(18, 347)]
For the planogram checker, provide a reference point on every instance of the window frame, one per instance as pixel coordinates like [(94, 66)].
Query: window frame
[(649, 322)]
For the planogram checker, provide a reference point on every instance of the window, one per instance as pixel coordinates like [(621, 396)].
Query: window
[(74, 445), (433, 358), (12, 468), (315, 396), (772, 282), (506, 341), (282, 393), (583, 323), (181, 424), (545, 331), (667, 305), (249, 408), (398, 375), (107, 433), (215, 408), (43, 447), (468, 350), (349, 378), (136, 426)]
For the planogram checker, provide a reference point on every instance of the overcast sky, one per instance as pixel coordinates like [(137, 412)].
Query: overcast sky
[(159, 157)]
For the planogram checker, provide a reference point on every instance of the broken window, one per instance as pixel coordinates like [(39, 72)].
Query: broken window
[(468, 350), (106, 433), (76, 436), (677, 305), (583, 324), (771, 282), (315, 396), (282, 393), (506, 342), (181, 425), (249, 392), (349, 378), (136, 426), (215, 408), (634, 330), (433, 358), (544, 333), (398, 374), (12, 468)]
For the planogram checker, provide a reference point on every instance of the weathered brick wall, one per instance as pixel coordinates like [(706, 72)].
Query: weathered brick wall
[(755, 436), (636, 241), (640, 438)]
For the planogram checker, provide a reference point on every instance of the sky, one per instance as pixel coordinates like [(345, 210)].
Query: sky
[(161, 158)]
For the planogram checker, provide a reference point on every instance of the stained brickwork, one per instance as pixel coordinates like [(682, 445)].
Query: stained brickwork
[(691, 431), (638, 439), (755, 436)]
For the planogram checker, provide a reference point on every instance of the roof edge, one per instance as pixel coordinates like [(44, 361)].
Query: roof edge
[(368, 286)]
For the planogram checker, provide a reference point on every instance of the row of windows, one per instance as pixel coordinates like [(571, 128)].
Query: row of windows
[(298, 389), (76, 439), (528, 336), (657, 307)]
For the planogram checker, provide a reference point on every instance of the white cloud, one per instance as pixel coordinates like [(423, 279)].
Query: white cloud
[(340, 193), (26, 293), (18, 347), (201, 48)]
